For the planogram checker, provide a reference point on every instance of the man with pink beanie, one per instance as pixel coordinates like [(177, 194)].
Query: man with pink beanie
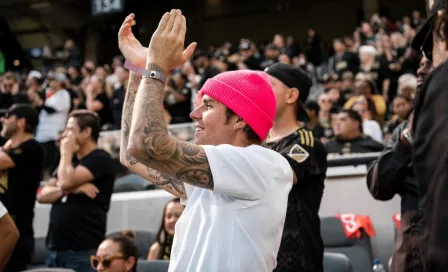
[(235, 191)]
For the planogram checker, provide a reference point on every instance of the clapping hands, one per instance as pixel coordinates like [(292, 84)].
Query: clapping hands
[(167, 43)]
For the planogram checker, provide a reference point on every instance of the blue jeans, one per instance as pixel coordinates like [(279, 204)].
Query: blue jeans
[(76, 260)]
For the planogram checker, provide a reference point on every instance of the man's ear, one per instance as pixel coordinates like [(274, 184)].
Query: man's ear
[(240, 124), (21, 122), (293, 95), (87, 132)]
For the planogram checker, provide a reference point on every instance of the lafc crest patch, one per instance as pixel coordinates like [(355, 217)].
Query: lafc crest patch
[(17, 151), (298, 154)]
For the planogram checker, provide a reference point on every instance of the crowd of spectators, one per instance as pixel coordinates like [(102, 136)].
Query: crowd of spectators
[(364, 87), (372, 72)]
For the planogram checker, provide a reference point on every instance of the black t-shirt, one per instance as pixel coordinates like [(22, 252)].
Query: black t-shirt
[(302, 247), (347, 61), (105, 113), (76, 221), (363, 144), (18, 185), (117, 106)]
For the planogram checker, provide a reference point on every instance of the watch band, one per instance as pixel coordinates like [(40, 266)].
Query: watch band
[(408, 136), (151, 73)]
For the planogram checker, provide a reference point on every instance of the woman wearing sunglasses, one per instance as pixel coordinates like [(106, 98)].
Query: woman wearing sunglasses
[(116, 254)]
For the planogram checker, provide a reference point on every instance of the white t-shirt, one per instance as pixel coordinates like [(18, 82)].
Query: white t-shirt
[(3, 210), (372, 128), (51, 123), (238, 226)]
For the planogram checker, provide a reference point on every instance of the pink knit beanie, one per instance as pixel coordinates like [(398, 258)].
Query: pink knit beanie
[(247, 93)]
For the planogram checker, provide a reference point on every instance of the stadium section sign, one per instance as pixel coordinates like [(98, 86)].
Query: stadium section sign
[(100, 7)]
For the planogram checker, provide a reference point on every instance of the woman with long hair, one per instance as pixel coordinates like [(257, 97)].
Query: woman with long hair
[(370, 120), (161, 249), (118, 253)]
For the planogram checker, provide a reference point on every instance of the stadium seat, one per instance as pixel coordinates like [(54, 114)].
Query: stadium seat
[(152, 266), (358, 251), (132, 183), (336, 262), (143, 239), (40, 252)]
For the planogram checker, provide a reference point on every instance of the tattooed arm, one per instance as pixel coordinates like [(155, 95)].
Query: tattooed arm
[(151, 144), (170, 184)]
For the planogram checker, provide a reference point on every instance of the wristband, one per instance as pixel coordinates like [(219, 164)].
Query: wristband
[(152, 73)]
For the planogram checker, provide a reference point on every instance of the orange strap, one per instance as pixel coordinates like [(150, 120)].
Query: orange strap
[(353, 223)]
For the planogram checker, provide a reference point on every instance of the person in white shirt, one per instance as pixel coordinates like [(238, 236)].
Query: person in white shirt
[(235, 191), (8, 236), (53, 116)]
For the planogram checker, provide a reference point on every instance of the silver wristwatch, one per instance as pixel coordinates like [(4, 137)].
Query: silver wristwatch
[(151, 73), (408, 136)]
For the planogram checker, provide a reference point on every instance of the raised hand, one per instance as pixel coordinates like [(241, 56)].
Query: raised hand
[(129, 46), (167, 43)]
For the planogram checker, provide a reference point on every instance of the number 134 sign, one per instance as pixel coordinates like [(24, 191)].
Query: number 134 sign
[(106, 6)]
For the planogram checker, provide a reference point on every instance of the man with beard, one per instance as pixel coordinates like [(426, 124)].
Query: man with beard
[(430, 147), (80, 194), (391, 174), (20, 175)]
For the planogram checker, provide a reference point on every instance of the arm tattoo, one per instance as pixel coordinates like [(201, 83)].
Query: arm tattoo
[(166, 180), (154, 176), (128, 105), (153, 146)]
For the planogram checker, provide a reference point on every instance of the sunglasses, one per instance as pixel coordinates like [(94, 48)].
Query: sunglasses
[(105, 261)]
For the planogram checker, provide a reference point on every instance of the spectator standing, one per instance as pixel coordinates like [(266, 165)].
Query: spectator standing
[(312, 109), (118, 95), (21, 168), (52, 118), (178, 99), (253, 242), (301, 248), (72, 54), (80, 195), (97, 99), (10, 91)]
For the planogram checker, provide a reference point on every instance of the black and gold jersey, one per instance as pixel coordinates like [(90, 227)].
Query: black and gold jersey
[(301, 248)]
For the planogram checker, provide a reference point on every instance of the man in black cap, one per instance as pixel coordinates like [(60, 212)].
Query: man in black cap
[(301, 248), (21, 168)]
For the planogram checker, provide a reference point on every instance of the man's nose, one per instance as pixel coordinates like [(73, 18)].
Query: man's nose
[(196, 114)]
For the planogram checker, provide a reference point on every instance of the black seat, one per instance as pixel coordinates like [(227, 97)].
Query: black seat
[(143, 239), (358, 251), (336, 262), (152, 266)]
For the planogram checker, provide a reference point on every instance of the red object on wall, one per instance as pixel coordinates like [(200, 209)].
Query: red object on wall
[(353, 224), (397, 220)]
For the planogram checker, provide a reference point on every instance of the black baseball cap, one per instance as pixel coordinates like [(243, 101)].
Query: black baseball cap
[(26, 112), (423, 40), (293, 77)]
